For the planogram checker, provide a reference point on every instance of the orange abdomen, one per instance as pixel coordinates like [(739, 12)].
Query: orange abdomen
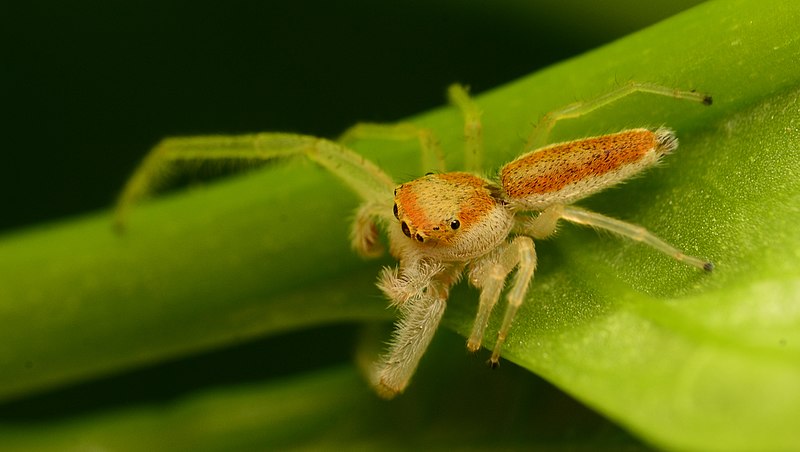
[(565, 172)]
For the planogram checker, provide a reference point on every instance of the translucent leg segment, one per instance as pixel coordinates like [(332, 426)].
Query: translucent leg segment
[(432, 154), (490, 277), (633, 232), (473, 130), (174, 154), (538, 136)]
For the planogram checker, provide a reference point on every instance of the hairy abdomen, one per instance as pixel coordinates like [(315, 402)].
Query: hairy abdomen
[(566, 172)]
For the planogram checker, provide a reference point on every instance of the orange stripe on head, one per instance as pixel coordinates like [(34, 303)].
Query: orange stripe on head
[(476, 200), (429, 205)]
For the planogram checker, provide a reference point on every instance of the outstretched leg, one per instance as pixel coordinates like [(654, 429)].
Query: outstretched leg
[(364, 177), (545, 223), (490, 276), (633, 232), (538, 136)]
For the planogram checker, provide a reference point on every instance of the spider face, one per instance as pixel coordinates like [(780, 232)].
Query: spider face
[(452, 215)]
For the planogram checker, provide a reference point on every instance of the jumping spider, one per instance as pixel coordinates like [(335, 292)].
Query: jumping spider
[(448, 224)]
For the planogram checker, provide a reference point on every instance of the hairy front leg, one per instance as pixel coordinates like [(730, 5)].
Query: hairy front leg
[(421, 295), (413, 333)]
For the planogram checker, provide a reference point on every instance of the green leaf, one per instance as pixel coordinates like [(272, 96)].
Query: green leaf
[(682, 359)]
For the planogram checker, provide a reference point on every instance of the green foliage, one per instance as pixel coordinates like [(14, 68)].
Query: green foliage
[(680, 358)]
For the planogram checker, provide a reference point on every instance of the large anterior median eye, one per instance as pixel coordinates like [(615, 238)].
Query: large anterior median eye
[(455, 224)]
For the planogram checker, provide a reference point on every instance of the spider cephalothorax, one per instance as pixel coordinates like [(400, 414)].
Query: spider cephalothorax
[(452, 216)]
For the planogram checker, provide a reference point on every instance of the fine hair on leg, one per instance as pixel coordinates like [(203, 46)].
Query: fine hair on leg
[(540, 133), (585, 217)]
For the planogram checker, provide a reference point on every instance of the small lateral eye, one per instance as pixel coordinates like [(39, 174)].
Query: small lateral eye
[(394, 209), (455, 224), (405, 229)]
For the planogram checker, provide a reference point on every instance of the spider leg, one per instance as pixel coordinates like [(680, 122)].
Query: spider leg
[(489, 276), (633, 232), (538, 136), (543, 225), (364, 232), (401, 284), (473, 129), (526, 265), (172, 154), (432, 154), (420, 314), (412, 335)]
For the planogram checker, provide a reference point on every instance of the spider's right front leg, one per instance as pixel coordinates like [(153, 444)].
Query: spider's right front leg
[(421, 294), (406, 282), (412, 334)]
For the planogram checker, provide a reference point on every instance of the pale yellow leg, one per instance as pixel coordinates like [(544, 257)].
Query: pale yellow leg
[(432, 154), (538, 136), (412, 335), (473, 129), (633, 232), (543, 225), (174, 154), (420, 314), (490, 276)]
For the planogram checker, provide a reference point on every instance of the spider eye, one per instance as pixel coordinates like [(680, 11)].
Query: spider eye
[(455, 224), (419, 238), (405, 229), (394, 209)]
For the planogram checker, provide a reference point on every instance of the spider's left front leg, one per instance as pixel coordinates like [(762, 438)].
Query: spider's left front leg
[(489, 275)]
